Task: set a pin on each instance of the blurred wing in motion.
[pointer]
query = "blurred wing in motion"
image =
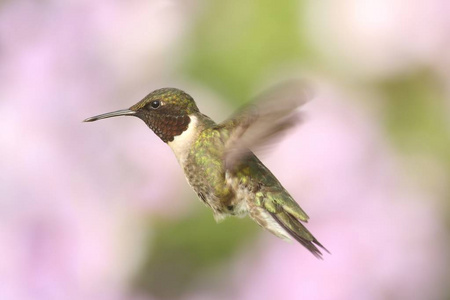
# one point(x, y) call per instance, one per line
point(260, 123)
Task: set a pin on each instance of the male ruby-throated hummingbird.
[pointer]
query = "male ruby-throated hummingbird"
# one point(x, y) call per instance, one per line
point(216, 159)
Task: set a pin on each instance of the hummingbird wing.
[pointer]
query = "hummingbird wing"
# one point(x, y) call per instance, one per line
point(278, 208)
point(272, 207)
point(259, 123)
point(299, 232)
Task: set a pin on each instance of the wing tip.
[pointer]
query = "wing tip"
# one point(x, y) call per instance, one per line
point(310, 245)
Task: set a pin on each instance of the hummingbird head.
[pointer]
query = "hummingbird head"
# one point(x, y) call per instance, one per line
point(166, 111)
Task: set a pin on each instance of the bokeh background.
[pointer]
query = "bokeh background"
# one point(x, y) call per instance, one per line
point(102, 210)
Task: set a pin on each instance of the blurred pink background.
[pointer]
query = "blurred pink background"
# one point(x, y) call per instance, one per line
point(370, 165)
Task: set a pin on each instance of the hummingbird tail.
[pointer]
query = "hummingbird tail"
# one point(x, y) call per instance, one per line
point(299, 232)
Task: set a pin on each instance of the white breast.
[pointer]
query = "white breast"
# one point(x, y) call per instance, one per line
point(182, 143)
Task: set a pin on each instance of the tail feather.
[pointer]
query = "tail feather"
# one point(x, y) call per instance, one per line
point(299, 232)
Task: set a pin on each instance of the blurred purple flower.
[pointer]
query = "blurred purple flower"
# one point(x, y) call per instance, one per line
point(69, 189)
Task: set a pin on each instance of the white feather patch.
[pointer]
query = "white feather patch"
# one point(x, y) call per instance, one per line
point(181, 144)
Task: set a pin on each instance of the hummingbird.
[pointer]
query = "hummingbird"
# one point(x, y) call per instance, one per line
point(218, 163)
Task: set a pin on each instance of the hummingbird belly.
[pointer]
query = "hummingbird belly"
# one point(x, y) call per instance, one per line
point(239, 198)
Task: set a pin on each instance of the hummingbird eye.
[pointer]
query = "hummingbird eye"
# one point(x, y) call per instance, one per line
point(155, 104)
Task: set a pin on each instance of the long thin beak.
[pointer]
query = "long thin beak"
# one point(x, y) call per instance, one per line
point(122, 112)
